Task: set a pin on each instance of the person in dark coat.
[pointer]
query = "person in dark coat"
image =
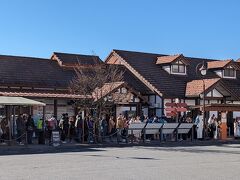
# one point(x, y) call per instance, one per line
point(30, 129)
point(104, 128)
point(71, 129)
point(20, 128)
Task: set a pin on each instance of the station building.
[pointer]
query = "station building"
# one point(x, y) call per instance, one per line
point(149, 82)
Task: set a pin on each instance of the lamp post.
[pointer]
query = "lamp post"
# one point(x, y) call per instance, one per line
point(203, 71)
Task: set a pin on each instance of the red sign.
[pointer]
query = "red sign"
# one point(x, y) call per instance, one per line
point(170, 104)
point(170, 109)
point(173, 108)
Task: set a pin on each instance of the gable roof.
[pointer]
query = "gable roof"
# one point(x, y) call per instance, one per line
point(167, 59)
point(33, 72)
point(131, 80)
point(218, 64)
point(170, 59)
point(17, 71)
point(67, 59)
point(106, 89)
point(143, 65)
point(195, 87)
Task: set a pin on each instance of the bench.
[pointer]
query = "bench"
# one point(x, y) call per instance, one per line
point(136, 129)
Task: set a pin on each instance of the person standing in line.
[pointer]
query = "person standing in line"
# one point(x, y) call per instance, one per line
point(30, 129)
point(66, 125)
point(104, 128)
point(211, 126)
point(79, 127)
point(119, 126)
point(41, 139)
point(216, 130)
point(71, 129)
point(62, 135)
point(20, 128)
point(90, 126)
point(51, 126)
point(199, 122)
point(111, 127)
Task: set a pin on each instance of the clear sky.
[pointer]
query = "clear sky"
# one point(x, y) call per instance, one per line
point(198, 28)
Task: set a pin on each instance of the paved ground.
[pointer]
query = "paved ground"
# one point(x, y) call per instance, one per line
point(170, 161)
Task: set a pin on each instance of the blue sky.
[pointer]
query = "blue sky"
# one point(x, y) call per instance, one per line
point(198, 28)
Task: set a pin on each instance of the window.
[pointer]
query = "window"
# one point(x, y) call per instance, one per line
point(178, 67)
point(229, 72)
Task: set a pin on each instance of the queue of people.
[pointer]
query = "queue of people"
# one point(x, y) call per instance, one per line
point(93, 130)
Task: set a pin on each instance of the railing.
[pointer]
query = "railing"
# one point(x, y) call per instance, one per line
point(161, 129)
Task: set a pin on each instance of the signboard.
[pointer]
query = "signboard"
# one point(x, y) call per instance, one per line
point(172, 109)
point(56, 138)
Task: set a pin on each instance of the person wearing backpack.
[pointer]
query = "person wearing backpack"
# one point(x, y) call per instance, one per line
point(51, 126)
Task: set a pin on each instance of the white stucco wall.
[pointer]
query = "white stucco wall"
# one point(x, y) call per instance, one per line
point(62, 107)
point(121, 110)
point(190, 102)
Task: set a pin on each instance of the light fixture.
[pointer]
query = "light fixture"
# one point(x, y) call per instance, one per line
point(203, 70)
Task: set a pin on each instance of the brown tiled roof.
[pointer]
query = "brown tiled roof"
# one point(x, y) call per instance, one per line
point(132, 81)
point(68, 59)
point(169, 85)
point(33, 72)
point(106, 89)
point(168, 59)
point(112, 87)
point(195, 87)
point(218, 64)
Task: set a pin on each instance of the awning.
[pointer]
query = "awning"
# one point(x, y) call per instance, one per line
point(44, 95)
point(18, 101)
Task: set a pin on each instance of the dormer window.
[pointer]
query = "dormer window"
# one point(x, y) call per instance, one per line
point(178, 68)
point(224, 69)
point(229, 72)
point(175, 64)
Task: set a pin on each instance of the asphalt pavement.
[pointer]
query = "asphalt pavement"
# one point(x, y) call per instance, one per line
point(174, 160)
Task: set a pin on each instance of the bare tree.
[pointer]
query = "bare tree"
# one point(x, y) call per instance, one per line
point(97, 84)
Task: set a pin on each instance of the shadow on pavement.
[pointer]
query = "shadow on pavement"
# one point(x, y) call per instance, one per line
point(182, 146)
point(226, 147)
